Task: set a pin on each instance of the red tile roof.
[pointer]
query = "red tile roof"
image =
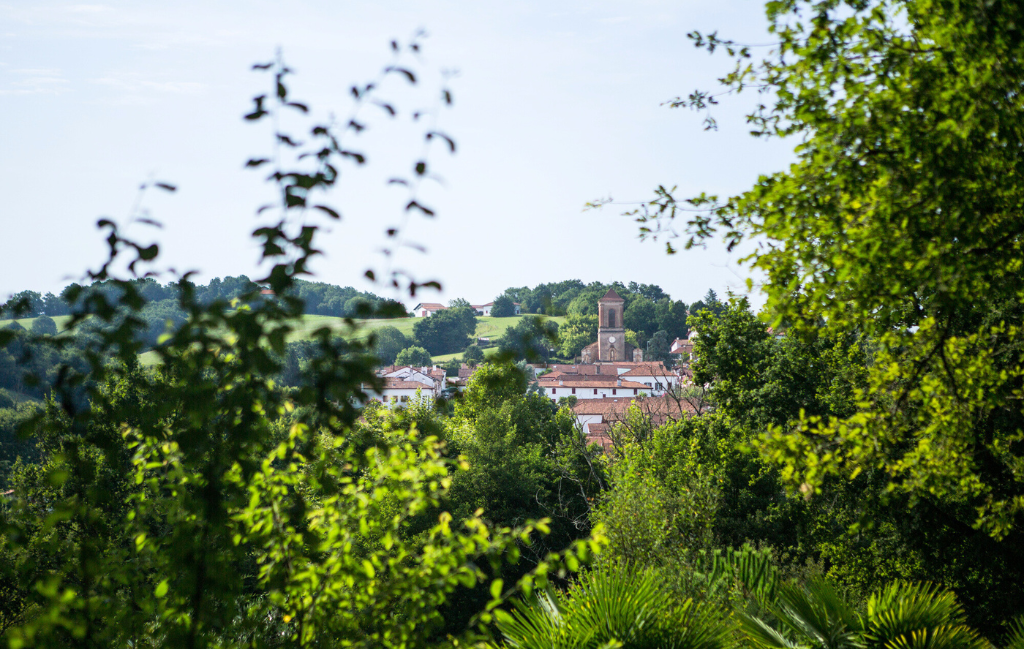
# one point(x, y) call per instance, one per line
point(611, 295)
point(396, 383)
point(554, 383)
point(660, 409)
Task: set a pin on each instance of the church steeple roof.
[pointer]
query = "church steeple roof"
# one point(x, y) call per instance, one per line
point(611, 295)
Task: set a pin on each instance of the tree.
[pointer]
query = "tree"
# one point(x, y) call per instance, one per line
point(473, 355)
point(503, 307)
point(446, 332)
point(530, 339)
point(459, 303)
point(671, 318)
point(388, 342)
point(575, 333)
point(658, 348)
point(899, 221)
point(44, 325)
point(641, 316)
point(198, 504)
point(415, 356)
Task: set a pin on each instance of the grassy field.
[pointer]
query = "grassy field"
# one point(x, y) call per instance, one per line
point(61, 321)
point(491, 328)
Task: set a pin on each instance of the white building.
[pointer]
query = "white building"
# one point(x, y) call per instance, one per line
point(591, 387)
point(402, 384)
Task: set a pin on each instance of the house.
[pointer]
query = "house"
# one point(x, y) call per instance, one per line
point(424, 309)
point(655, 376)
point(590, 387)
point(462, 380)
point(483, 309)
point(403, 383)
point(682, 348)
point(596, 416)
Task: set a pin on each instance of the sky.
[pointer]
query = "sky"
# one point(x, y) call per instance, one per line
point(556, 103)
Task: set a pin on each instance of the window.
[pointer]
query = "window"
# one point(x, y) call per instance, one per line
point(611, 317)
point(574, 390)
point(595, 390)
point(405, 397)
point(634, 390)
point(552, 390)
point(613, 391)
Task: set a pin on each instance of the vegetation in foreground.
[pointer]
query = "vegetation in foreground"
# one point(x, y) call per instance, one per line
point(852, 482)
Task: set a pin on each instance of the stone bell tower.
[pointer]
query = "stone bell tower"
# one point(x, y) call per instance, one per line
point(611, 332)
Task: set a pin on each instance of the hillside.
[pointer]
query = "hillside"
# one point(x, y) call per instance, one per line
point(491, 328)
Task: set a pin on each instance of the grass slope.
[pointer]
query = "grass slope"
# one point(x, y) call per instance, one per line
point(491, 328)
point(60, 320)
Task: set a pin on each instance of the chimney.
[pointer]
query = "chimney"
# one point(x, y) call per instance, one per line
point(619, 382)
point(598, 369)
point(561, 382)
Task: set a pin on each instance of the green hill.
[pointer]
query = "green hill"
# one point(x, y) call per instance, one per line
point(491, 328)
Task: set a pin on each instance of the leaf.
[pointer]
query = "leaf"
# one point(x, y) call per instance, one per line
point(161, 589)
point(496, 587)
point(408, 75)
point(262, 66)
point(255, 162)
point(330, 212)
point(297, 106)
point(166, 187)
point(414, 204)
point(388, 107)
point(451, 143)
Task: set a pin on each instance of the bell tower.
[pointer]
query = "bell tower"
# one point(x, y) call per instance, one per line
point(611, 332)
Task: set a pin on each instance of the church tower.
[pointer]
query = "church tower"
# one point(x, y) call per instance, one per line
point(611, 332)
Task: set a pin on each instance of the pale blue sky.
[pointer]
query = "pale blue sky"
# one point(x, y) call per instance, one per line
point(556, 104)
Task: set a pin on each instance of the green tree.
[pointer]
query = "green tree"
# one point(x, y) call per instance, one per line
point(446, 332)
point(415, 356)
point(658, 348)
point(44, 325)
point(388, 342)
point(503, 307)
point(672, 318)
point(473, 355)
point(530, 339)
point(575, 333)
point(200, 505)
point(898, 221)
point(641, 316)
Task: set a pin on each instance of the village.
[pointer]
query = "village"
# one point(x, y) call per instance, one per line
point(609, 378)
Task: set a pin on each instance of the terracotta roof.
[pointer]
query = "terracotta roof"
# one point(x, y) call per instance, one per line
point(544, 383)
point(575, 378)
point(614, 408)
point(395, 383)
point(430, 306)
point(611, 295)
point(466, 372)
point(477, 306)
point(649, 369)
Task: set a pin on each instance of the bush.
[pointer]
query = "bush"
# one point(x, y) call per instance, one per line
point(415, 356)
point(44, 325)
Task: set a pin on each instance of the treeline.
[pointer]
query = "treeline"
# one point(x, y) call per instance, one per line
point(319, 298)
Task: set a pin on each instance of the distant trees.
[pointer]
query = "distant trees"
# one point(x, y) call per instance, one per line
point(672, 318)
point(641, 316)
point(473, 355)
point(387, 342)
point(44, 325)
point(575, 333)
point(447, 331)
point(503, 307)
point(531, 339)
point(415, 356)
